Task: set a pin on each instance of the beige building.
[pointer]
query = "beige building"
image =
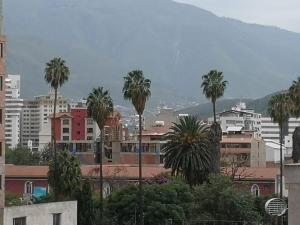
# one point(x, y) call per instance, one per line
point(244, 149)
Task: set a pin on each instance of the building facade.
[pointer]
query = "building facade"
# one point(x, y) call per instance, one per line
point(35, 117)
point(2, 113)
point(13, 109)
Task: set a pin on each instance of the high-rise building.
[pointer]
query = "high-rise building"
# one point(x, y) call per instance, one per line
point(2, 112)
point(35, 116)
point(13, 109)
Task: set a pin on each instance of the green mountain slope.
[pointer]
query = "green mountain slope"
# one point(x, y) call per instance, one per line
point(173, 43)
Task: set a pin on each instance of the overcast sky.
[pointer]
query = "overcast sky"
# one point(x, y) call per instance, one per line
point(280, 13)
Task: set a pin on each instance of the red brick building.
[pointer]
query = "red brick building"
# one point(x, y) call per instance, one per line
point(78, 133)
point(260, 181)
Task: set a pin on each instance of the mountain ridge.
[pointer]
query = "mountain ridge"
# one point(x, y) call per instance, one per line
point(173, 43)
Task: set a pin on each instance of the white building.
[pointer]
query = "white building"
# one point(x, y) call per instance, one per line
point(271, 131)
point(239, 116)
point(56, 213)
point(13, 109)
point(35, 116)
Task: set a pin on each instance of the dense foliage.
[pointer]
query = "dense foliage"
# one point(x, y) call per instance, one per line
point(22, 156)
point(187, 150)
point(217, 199)
point(69, 179)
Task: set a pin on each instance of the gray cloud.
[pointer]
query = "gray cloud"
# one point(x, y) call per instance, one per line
point(281, 13)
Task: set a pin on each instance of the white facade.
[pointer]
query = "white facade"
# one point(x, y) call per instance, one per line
point(13, 108)
point(65, 213)
point(273, 151)
point(271, 131)
point(239, 116)
point(35, 118)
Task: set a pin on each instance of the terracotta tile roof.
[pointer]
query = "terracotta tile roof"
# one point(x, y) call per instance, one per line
point(131, 172)
point(126, 171)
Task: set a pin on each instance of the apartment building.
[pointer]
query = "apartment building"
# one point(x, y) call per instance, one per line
point(239, 116)
point(2, 113)
point(13, 109)
point(35, 117)
point(243, 149)
point(79, 134)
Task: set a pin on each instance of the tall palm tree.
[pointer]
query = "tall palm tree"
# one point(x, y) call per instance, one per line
point(187, 150)
point(294, 93)
point(213, 85)
point(56, 74)
point(279, 111)
point(100, 107)
point(137, 90)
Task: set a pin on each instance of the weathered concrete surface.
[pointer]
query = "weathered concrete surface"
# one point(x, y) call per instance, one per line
point(42, 214)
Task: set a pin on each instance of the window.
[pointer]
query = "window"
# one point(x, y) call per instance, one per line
point(90, 121)
point(1, 50)
point(65, 138)
point(1, 116)
point(0, 148)
point(65, 122)
point(56, 218)
point(78, 132)
point(1, 83)
point(89, 138)
point(19, 221)
point(90, 130)
point(255, 191)
point(28, 187)
point(65, 130)
point(0, 182)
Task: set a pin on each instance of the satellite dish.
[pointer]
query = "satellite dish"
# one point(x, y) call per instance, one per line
point(275, 207)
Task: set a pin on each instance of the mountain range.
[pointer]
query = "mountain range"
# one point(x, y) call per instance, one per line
point(173, 43)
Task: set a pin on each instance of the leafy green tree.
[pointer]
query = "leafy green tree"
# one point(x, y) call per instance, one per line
point(279, 111)
point(137, 90)
point(12, 199)
point(86, 208)
point(69, 180)
point(213, 85)
point(218, 199)
point(22, 156)
point(100, 107)
point(162, 202)
point(187, 150)
point(47, 154)
point(56, 74)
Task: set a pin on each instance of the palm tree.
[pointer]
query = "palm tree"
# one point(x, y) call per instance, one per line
point(279, 111)
point(294, 93)
point(137, 90)
point(187, 150)
point(213, 87)
point(56, 74)
point(100, 107)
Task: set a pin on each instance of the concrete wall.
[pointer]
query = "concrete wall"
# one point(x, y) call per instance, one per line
point(42, 214)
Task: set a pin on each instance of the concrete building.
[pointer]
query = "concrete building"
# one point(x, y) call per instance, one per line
point(2, 113)
point(35, 117)
point(271, 131)
point(13, 109)
point(243, 149)
point(239, 116)
point(56, 213)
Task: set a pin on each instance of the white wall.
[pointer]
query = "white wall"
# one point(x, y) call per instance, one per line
point(42, 214)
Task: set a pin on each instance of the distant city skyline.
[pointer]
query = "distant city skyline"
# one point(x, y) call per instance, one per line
point(283, 14)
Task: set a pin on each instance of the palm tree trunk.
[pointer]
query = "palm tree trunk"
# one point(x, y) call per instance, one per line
point(281, 161)
point(101, 175)
point(54, 143)
point(141, 194)
point(214, 111)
